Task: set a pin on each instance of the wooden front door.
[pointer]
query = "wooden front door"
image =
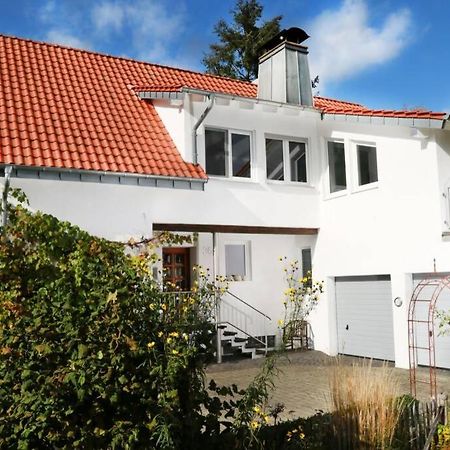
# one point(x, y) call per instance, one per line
point(176, 268)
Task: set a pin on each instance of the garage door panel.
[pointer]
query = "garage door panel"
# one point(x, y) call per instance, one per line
point(364, 316)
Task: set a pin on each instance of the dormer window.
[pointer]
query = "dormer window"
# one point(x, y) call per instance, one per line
point(286, 160)
point(228, 153)
point(367, 164)
point(336, 166)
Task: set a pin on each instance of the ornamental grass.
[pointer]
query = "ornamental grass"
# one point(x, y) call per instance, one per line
point(365, 406)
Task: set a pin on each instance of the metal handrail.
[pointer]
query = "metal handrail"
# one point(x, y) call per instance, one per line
point(250, 306)
point(245, 332)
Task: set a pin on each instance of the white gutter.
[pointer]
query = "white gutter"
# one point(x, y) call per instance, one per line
point(101, 173)
point(385, 120)
point(253, 100)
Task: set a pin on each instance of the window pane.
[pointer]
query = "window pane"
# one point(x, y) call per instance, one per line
point(336, 163)
point(297, 157)
point(367, 164)
point(235, 260)
point(307, 265)
point(215, 142)
point(274, 159)
point(240, 151)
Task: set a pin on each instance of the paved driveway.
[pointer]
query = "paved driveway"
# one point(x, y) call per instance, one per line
point(303, 383)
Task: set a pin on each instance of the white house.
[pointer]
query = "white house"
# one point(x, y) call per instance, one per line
point(124, 148)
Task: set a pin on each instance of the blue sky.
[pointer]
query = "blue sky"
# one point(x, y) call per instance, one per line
point(383, 53)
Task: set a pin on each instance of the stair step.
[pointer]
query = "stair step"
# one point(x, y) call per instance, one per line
point(222, 327)
point(255, 345)
point(240, 339)
point(229, 333)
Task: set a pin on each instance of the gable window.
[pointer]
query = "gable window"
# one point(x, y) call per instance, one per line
point(286, 160)
point(336, 166)
point(227, 153)
point(367, 164)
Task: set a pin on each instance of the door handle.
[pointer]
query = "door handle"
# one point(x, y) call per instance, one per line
point(346, 327)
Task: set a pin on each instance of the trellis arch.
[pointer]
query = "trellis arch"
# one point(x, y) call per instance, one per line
point(427, 292)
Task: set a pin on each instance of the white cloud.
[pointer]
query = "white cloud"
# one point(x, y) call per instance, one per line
point(108, 15)
point(63, 37)
point(343, 42)
point(152, 25)
point(47, 11)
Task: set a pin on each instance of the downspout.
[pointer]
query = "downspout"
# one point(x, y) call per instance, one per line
point(8, 170)
point(197, 125)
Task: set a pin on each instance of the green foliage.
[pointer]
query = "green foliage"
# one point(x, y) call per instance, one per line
point(236, 55)
point(92, 353)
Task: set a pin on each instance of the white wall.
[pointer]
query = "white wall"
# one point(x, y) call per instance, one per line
point(394, 228)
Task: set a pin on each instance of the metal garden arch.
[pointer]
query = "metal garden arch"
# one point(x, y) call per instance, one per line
point(421, 320)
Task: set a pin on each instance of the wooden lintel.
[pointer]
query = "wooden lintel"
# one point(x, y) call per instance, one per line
point(245, 229)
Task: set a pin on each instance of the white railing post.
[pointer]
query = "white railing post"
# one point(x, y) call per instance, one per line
point(218, 332)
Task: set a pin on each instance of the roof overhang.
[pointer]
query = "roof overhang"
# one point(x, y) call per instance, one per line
point(243, 229)
point(93, 176)
point(390, 121)
point(153, 94)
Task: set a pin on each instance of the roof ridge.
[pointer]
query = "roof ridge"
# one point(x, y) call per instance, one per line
point(124, 58)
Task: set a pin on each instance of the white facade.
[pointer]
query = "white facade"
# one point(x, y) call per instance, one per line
point(393, 227)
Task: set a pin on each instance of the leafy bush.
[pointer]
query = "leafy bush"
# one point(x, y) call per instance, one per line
point(92, 353)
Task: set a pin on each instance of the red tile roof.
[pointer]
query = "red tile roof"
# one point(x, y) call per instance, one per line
point(67, 108)
point(332, 106)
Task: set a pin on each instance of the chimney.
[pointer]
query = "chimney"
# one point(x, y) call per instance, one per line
point(283, 69)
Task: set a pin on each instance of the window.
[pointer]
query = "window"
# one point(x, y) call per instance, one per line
point(336, 166)
point(237, 265)
point(227, 153)
point(286, 160)
point(367, 164)
point(307, 265)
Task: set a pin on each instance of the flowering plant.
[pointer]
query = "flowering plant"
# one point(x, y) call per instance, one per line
point(300, 299)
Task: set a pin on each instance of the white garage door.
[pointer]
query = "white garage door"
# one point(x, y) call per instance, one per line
point(442, 342)
point(364, 316)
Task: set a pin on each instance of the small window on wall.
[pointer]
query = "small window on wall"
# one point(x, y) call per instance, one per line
point(367, 164)
point(307, 264)
point(236, 262)
point(336, 165)
point(286, 160)
point(227, 153)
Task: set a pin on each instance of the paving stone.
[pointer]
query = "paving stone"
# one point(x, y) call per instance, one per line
point(303, 382)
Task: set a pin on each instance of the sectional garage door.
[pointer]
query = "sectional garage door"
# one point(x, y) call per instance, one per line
point(364, 316)
point(442, 342)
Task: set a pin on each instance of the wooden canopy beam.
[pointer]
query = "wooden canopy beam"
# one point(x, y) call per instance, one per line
point(244, 229)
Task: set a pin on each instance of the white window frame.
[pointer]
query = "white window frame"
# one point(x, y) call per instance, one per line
point(247, 253)
point(287, 161)
point(229, 153)
point(368, 186)
point(345, 191)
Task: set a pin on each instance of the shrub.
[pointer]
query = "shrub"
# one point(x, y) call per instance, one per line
point(92, 355)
